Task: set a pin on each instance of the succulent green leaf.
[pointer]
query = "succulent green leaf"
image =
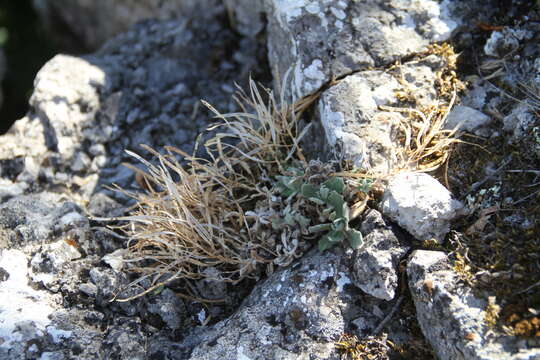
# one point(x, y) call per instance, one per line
point(288, 192)
point(289, 219)
point(355, 238)
point(336, 201)
point(365, 185)
point(295, 184)
point(319, 227)
point(302, 221)
point(309, 191)
point(317, 201)
point(336, 184)
point(335, 236)
point(327, 211)
point(324, 192)
point(324, 244)
point(283, 180)
point(339, 224)
point(332, 216)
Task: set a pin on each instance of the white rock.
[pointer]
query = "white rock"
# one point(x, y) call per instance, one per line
point(352, 122)
point(20, 303)
point(421, 205)
point(347, 36)
point(115, 259)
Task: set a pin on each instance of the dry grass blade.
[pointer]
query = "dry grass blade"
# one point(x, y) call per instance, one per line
point(193, 218)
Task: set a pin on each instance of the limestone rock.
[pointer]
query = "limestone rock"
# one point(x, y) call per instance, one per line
point(246, 15)
point(452, 317)
point(421, 205)
point(468, 119)
point(296, 313)
point(321, 39)
point(375, 264)
point(92, 23)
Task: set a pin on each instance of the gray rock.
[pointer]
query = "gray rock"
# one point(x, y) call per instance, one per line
point(325, 39)
point(48, 265)
point(115, 259)
point(375, 264)
point(505, 41)
point(92, 23)
point(297, 313)
point(452, 317)
point(10, 168)
point(80, 120)
point(520, 121)
point(33, 219)
point(25, 316)
point(246, 15)
point(9, 190)
point(421, 205)
point(212, 289)
point(101, 205)
point(467, 119)
point(352, 123)
point(169, 308)
point(89, 289)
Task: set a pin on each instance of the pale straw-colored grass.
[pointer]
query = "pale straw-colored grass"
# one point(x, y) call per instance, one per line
point(193, 218)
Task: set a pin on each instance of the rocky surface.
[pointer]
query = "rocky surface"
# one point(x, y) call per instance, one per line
point(421, 205)
point(375, 267)
point(352, 122)
point(62, 272)
point(298, 313)
point(321, 40)
point(139, 89)
point(93, 23)
point(460, 330)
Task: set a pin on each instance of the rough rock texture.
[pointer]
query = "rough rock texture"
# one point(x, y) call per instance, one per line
point(247, 16)
point(421, 205)
point(60, 270)
point(321, 39)
point(375, 266)
point(139, 89)
point(85, 111)
point(451, 317)
point(93, 22)
point(468, 119)
point(59, 289)
point(355, 128)
point(297, 313)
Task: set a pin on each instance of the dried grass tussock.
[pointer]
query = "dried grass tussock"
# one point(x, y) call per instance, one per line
point(205, 215)
point(253, 201)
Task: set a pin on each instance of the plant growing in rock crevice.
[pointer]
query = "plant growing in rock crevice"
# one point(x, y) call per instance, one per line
point(333, 210)
point(252, 204)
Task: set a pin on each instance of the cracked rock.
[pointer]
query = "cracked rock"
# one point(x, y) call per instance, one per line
point(375, 265)
point(321, 39)
point(452, 317)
